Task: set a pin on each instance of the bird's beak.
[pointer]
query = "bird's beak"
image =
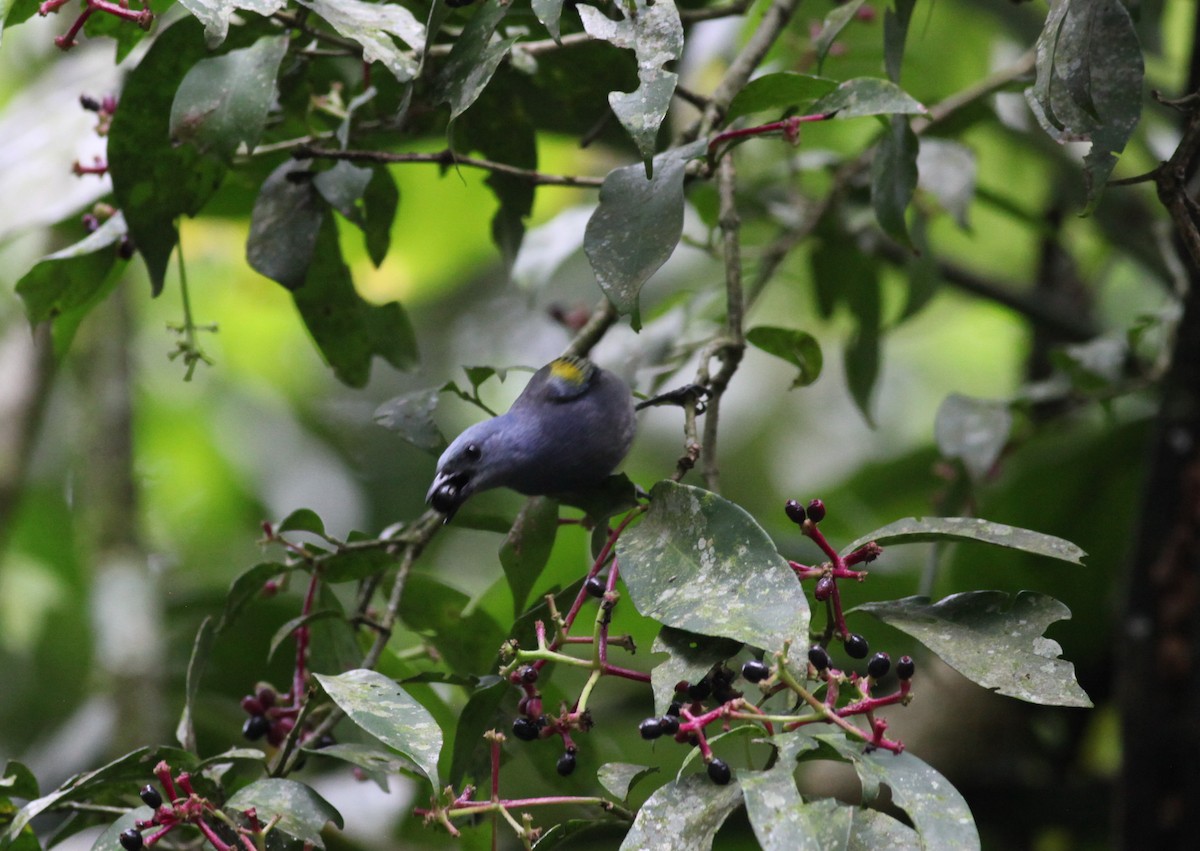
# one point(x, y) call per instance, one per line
point(446, 494)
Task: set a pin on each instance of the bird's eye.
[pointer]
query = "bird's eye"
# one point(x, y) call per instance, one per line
point(473, 452)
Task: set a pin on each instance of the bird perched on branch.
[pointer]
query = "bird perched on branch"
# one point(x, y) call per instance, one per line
point(567, 431)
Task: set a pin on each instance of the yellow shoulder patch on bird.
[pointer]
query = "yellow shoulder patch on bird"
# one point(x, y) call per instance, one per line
point(573, 370)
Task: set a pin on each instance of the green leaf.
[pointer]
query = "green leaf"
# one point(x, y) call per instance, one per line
point(619, 778)
point(154, 181)
point(526, 548)
point(937, 810)
point(782, 821)
point(379, 205)
point(549, 12)
point(375, 26)
point(894, 178)
point(474, 58)
point(222, 103)
point(287, 629)
point(342, 186)
point(683, 815)
point(690, 657)
point(302, 520)
point(17, 781)
point(216, 14)
point(831, 28)
point(348, 330)
point(110, 839)
point(386, 711)
point(994, 640)
point(64, 286)
point(867, 96)
point(411, 416)
point(465, 636)
point(780, 91)
point(636, 227)
point(798, 348)
point(1089, 82)
point(185, 731)
point(700, 563)
point(285, 224)
point(481, 713)
point(895, 33)
point(366, 757)
point(975, 431)
point(300, 811)
point(246, 587)
point(353, 565)
point(862, 368)
point(654, 33)
point(916, 530)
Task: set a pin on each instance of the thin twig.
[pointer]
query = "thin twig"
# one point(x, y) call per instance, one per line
point(604, 315)
point(447, 158)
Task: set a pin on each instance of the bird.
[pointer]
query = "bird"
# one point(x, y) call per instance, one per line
point(566, 433)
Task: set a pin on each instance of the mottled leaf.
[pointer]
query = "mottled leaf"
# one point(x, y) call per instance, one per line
point(916, 530)
point(383, 709)
point(154, 181)
point(683, 815)
point(798, 348)
point(348, 330)
point(654, 33)
point(690, 657)
point(366, 757)
point(700, 563)
point(992, 639)
point(375, 26)
point(620, 777)
point(636, 227)
point(1089, 82)
point(526, 548)
point(411, 416)
point(779, 91)
point(894, 178)
point(781, 819)
point(867, 96)
point(939, 813)
point(215, 14)
point(549, 12)
point(975, 431)
point(300, 811)
point(222, 103)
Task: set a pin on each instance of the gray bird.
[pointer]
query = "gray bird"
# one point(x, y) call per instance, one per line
point(567, 431)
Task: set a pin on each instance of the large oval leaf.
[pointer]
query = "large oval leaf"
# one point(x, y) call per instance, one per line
point(701, 563)
point(915, 530)
point(302, 813)
point(388, 713)
point(684, 815)
point(992, 639)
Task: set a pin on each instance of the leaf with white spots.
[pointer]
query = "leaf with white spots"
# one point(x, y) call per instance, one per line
point(916, 530)
point(939, 813)
point(378, 705)
point(300, 811)
point(690, 657)
point(684, 815)
point(993, 639)
point(700, 563)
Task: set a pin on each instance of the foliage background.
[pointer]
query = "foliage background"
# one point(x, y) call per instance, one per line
point(92, 655)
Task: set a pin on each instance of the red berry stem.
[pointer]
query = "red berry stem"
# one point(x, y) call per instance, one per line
point(789, 127)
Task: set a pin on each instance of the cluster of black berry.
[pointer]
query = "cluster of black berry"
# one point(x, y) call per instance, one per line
point(532, 723)
point(131, 838)
point(267, 718)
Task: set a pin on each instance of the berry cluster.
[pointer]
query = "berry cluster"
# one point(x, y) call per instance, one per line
point(532, 723)
point(184, 805)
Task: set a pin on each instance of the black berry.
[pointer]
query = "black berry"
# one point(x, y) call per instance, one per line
point(879, 665)
point(818, 657)
point(700, 690)
point(566, 764)
point(525, 729)
point(528, 674)
point(719, 773)
point(816, 511)
point(856, 646)
point(594, 587)
point(131, 839)
point(795, 511)
point(669, 725)
point(824, 589)
point(905, 668)
point(256, 727)
point(651, 728)
point(756, 671)
point(150, 797)
point(674, 709)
